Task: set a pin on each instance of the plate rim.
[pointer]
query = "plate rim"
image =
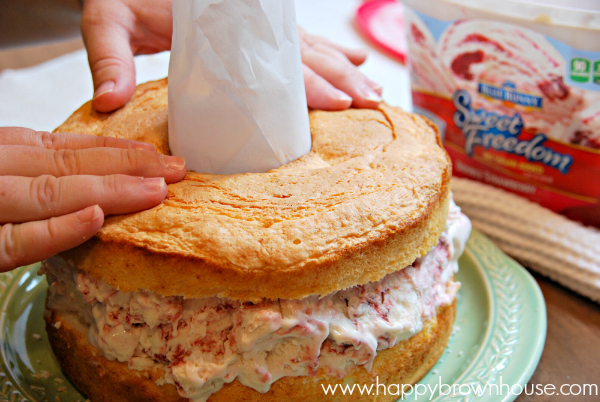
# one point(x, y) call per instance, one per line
point(478, 248)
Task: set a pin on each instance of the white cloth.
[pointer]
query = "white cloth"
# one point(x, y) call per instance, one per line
point(43, 96)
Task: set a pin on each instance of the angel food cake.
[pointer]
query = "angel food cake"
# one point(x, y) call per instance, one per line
point(336, 267)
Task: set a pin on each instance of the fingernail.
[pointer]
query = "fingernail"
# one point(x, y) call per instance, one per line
point(104, 88)
point(172, 162)
point(153, 184)
point(89, 215)
point(369, 94)
point(343, 96)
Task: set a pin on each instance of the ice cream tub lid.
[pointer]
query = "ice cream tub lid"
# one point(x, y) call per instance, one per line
point(575, 22)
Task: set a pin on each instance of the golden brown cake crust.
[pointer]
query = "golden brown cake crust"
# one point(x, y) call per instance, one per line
point(111, 381)
point(370, 198)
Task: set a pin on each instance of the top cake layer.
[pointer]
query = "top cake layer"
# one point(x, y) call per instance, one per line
point(368, 199)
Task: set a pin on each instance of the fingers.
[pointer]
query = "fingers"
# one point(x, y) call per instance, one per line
point(19, 160)
point(34, 241)
point(337, 70)
point(106, 33)
point(44, 139)
point(26, 199)
point(355, 56)
point(322, 95)
point(115, 30)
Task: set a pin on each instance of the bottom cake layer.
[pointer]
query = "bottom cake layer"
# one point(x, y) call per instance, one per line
point(112, 381)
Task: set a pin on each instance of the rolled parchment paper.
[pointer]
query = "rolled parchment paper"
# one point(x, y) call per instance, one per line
point(236, 92)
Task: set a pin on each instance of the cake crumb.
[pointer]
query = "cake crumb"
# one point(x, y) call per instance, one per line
point(41, 390)
point(57, 324)
point(62, 389)
point(37, 337)
point(43, 374)
point(59, 380)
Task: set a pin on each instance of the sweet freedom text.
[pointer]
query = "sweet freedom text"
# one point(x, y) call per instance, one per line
point(500, 132)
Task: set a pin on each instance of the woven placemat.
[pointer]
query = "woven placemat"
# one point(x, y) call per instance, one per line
point(563, 250)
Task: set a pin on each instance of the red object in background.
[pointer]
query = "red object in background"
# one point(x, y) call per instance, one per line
point(382, 21)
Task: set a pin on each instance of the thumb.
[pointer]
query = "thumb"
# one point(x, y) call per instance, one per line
point(111, 60)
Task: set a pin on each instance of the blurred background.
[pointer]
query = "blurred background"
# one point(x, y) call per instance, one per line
point(32, 31)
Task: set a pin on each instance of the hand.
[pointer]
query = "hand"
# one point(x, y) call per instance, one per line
point(55, 189)
point(113, 32)
point(331, 78)
point(116, 30)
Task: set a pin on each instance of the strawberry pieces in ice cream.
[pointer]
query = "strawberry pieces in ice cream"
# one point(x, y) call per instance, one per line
point(201, 344)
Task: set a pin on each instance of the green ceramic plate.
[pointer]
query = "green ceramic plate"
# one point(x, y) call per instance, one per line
point(498, 336)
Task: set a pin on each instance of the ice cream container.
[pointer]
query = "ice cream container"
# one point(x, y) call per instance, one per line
point(514, 87)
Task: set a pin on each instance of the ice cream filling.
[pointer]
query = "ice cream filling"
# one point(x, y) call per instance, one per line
point(201, 344)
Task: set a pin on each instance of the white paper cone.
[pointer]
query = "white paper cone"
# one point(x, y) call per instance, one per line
point(236, 92)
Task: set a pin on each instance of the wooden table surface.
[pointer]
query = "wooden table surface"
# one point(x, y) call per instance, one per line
point(572, 351)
